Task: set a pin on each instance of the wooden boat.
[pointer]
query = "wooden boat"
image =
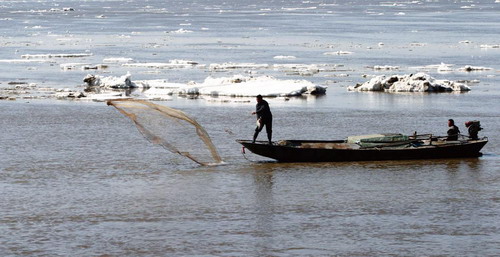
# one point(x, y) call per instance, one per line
point(366, 148)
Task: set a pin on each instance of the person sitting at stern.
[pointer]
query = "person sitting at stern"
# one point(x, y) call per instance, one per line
point(453, 131)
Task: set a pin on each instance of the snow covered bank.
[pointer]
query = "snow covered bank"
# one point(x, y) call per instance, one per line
point(420, 82)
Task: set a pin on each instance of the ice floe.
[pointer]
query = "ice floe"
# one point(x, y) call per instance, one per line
point(82, 66)
point(308, 69)
point(385, 67)
point(47, 56)
point(443, 67)
point(110, 82)
point(285, 57)
point(25, 61)
point(420, 82)
point(234, 86)
point(232, 66)
point(180, 31)
point(263, 85)
point(489, 46)
point(117, 60)
point(469, 68)
point(338, 53)
point(172, 64)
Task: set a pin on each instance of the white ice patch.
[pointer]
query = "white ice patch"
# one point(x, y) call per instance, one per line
point(489, 46)
point(443, 67)
point(82, 66)
point(385, 67)
point(420, 82)
point(173, 64)
point(232, 66)
point(237, 85)
point(25, 61)
point(469, 68)
point(338, 53)
point(48, 56)
point(253, 86)
point(110, 82)
point(284, 57)
point(117, 60)
point(180, 31)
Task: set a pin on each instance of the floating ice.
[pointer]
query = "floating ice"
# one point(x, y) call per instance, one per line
point(72, 66)
point(306, 69)
point(67, 94)
point(232, 66)
point(490, 46)
point(474, 68)
point(235, 86)
point(117, 60)
point(180, 31)
point(301, 69)
point(46, 56)
point(385, 67)
point(338, 53)
point(298, 8)
point(285, 57)
point(420, 82)
point(443, 67)
point(82, 66)
point(253, 86)
point(25, 61)
point(173, 64)
point(109, 82)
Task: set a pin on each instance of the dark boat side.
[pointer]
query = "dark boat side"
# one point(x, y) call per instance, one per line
point(337, 151)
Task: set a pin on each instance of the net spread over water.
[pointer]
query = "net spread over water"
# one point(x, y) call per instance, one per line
point(170, 128)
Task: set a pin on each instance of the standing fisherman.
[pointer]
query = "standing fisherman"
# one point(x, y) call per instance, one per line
point(264, 118)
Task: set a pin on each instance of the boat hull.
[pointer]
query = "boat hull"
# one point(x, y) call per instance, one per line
point(298, 154)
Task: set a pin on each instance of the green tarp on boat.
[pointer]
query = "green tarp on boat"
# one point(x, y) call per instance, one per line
point(378, 140)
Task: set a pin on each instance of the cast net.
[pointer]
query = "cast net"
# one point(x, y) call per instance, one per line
point(170, 128)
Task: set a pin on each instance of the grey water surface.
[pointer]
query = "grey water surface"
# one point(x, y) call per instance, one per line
point(78, 179)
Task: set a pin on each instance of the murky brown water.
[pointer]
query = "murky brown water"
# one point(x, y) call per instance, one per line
point(79, 179)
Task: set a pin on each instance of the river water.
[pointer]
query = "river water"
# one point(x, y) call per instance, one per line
point(78, 179)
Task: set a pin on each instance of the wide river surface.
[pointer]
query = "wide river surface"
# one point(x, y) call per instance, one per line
point(78, 179)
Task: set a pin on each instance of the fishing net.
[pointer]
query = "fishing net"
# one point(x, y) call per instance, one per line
point(170, 128)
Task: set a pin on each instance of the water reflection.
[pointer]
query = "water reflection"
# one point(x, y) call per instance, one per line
point(263, 189)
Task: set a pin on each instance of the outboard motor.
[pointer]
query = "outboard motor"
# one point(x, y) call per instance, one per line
point(474, 127)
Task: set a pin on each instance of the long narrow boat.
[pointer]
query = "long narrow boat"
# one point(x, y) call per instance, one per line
point(367, 148)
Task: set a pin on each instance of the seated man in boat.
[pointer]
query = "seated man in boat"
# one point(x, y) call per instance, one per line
point(453, 131)
point(264, 118)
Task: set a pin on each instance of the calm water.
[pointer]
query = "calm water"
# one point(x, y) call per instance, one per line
point(78, 179)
